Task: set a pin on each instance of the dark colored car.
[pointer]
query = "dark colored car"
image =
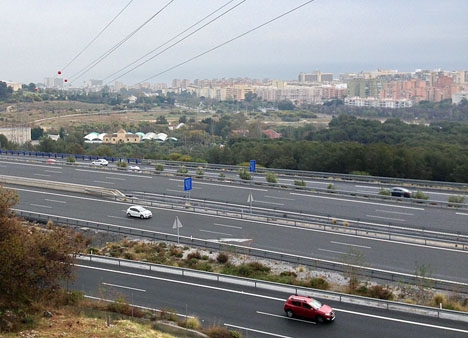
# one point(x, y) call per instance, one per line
point(308, 307)
point(400, 192)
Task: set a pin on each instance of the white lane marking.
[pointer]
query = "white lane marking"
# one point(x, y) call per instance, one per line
point(53, 171)
point(175, 281)
point(280, 198)
point(395, 212)
point(305, 180)
point(104, 182)
point(174, 190)
point(123, 287)
point(118, 217)
point(116, 178)
point(358, 246)
point(356, 201)
point(116, 174)
point(402, 321)
point(227, 226)
point(461, 213)
point(44, 175)
point(269, 334)
point(215, 232)
point(284, 317)
point(49, 200)
point(266, 202)
point(337, 252)
point(41, 206)
point(389, 218)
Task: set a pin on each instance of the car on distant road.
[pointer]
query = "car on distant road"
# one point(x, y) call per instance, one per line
point(308, 307)
point(134, 168)
point(400, 192)
point(139, 211)
point(100, 162)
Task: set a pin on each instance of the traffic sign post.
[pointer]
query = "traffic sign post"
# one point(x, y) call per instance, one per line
point(187, 187)
point(177, 225)
point(250, 200)
point(253, 167)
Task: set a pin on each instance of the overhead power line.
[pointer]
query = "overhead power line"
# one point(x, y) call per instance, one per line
point(226, 42)
point(168, 41)
point(116, 46)
point(96, 37)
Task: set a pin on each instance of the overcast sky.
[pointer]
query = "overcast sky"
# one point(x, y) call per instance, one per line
point(39, 38)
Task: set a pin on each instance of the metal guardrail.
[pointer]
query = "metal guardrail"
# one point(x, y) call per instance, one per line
point(413, 235)
point(260, 170)
point(386, 231)
point(79, 188)
point(359, 271)
point(286, 288)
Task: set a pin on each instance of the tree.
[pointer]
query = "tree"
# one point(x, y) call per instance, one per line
point(5, 91)
point(285, 105)
point(36, 133)
point(34, 261)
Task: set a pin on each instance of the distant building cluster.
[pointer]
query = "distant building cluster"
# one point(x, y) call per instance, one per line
point(394, 89)
point(121, 136)
point(380, 88)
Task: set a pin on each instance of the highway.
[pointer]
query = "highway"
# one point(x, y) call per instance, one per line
point(253, 312)
point(400, 212)
point(255, 315)
point(303, 241)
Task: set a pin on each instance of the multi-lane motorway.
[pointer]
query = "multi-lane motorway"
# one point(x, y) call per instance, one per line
point(253, 312)
point(445, 263)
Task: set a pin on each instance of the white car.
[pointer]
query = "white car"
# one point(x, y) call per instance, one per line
point(139, 211)
point(134, 168)
point(100, 162)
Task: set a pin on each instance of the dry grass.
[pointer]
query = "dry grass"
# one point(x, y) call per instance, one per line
point(67, 323)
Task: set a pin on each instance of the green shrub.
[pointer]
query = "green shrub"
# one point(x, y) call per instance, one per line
point(385, 192)
point(460, 199)
point(331, 186)
point(204, 266)
point(182, 169)
point(271, 177)
point(71, 159)
point(200, 172)
point(419, 195)
point(319, 283)
point(159, 167)
point(192, 323)
point(300, 183)
point(221, 332)
point(221, 176)
point(244, 175)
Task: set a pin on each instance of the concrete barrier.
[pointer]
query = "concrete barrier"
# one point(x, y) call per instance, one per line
point(71, 187)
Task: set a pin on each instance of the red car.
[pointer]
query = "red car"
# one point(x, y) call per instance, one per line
point(308, 307)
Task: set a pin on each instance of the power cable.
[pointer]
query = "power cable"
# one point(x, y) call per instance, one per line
point(96, 37)
point(115, 47)
point(173, 38)
point(227, 42)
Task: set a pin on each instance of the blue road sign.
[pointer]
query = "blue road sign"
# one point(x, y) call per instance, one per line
point(253, 163)
point(187, 183)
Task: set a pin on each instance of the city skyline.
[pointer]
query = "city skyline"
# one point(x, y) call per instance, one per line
point(330, 36)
